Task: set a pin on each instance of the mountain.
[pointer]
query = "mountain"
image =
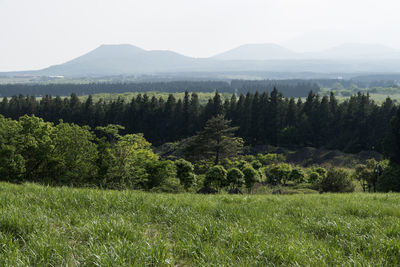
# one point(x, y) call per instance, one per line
point(125, 59)
point(356, 51)
point(257, 52)
point(121, 59)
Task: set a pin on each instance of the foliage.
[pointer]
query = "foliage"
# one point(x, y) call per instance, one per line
point(216, 177)
point(314, 178)
point(235, 177)
point(270, 158)
point(367, 174)
point(163, 177)
point(12, 164)
point(68, 154)
point(75, 153)
point(185, 173)
point(131, 157)
point(263, 118)
point(278, 173)
point(297, 175)
point(256, 164)
point(251, 176)
point(392, 140)
point(216, 141)
point(390, 179)
point(337, 180)
point(316, 175)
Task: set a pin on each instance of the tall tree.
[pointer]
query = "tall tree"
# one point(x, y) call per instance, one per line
point(216, 141)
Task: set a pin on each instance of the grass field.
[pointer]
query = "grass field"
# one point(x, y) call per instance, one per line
point(68, 227)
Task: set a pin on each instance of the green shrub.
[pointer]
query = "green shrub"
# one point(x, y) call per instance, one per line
point(169, 185)
point(251, 176)
point(321, 171)
point(278, 173)
point(235, 177)
point(390, 179)
point(256, 164)
point(337, 180)
point(314, 178)
point(297, 175)
point(216, 177)
point(271, 158)
point(184, 172)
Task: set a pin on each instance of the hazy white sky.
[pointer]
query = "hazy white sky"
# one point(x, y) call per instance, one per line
point(38, 33)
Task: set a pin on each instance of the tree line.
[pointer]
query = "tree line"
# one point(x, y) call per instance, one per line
point(291, 88)
point(32, 150)
point(353, 125)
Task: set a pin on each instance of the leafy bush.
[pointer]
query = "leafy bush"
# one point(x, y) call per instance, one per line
point(297, 175)
point(314, 178)
point(256, 164)
point(216, 177)
point(390, 179)
point(321, 171)
point(251, 176)
point(235, 177)
point(337, 180)
point(271, 158)
point(278, 173)
point(184, 172)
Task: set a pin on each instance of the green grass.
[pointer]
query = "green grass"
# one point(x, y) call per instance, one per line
point(42, 226)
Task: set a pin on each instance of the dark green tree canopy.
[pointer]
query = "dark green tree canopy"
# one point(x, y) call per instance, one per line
point(216, 141)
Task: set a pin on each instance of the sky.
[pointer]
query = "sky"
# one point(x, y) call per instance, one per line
point(40, 33)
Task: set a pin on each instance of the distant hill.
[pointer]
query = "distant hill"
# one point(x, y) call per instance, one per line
point(257, 52)
point(125, 59)
point(356, 51)
point(121, 59)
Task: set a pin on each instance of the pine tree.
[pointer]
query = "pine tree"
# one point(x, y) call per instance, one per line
point(216, 141)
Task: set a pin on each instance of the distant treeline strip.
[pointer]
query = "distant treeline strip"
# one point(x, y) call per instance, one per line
point(263, 118)
point(290, 88)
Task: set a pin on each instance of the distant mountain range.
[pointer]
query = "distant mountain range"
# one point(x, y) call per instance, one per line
point(341, 52)
point(125, 59)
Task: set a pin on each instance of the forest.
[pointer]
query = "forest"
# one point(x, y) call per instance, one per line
point(353, 125)
point(57, 141)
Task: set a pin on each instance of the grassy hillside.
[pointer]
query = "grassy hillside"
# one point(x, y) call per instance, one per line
point(63, 226)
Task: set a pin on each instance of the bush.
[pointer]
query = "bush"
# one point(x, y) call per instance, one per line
point(235, 177)
point(390, 179)
point(256, 164)
point(314, 178)
point(251, 176)
point(321, 171)
point(184, 172)
point(216, 177)
point(169, 185)
point(297, 175)
point(269, 159)
point(279, 172)
point(337, 180)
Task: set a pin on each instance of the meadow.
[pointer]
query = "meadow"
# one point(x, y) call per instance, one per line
point(47, 226)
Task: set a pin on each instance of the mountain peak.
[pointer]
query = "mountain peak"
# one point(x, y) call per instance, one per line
point(119, 46)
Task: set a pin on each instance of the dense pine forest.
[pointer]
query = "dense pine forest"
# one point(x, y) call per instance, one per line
point(352, 125)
